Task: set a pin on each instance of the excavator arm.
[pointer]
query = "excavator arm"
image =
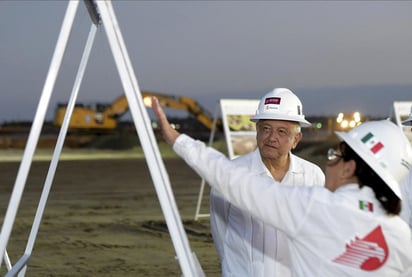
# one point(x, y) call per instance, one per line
point(183, 103)
point(107, 116)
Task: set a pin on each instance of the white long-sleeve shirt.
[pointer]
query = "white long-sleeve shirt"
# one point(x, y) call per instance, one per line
point(246, 245)
point(406, 190)
point(330, 233)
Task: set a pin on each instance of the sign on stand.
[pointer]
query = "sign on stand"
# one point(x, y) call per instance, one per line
point(400, 112)
point(240, 132)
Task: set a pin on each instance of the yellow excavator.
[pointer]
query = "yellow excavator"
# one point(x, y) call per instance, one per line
point(106, 117)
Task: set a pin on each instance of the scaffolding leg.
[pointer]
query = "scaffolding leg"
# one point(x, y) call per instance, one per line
point(36, 128)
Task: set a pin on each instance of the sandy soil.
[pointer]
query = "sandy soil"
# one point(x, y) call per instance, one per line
point(103, 218)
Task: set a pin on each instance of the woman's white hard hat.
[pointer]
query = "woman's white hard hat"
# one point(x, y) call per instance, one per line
point(384, 147)
point(281, 104)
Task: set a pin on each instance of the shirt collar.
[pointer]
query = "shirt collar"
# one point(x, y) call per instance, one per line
point(259, 166)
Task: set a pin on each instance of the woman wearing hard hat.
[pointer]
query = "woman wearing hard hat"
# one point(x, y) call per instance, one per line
point(349, 228)
point(406, 187)
point(246, 245)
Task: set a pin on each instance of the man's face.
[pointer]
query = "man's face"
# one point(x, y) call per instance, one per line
point(275, 138)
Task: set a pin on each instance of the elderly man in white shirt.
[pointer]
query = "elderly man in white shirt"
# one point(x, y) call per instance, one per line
point(246, 245)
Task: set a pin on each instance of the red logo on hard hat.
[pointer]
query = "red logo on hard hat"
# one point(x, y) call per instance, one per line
point(272, 100)
point(368, 254)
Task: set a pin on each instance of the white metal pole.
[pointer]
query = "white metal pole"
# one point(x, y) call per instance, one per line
point(59, 144)
point(148, 141)
point(7, 260)
point(203, 182)
point(36, 127)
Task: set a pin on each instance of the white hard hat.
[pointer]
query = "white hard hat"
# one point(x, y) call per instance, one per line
point(408, 122)
point(281, 104)
point(384, 147)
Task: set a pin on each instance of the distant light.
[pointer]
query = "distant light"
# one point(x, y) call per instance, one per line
point(175, 126)
point(147, 101)
point(339, 118)
point(349, 120)
point(357, 117)
point(319, 125)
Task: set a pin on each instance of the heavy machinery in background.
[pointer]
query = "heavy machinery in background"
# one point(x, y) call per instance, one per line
point(107, 116)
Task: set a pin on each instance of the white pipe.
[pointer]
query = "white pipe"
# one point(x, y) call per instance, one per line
point(36, 127)
point(145, 132)
point(59, 145)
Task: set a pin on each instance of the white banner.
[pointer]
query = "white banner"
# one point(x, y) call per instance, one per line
point(240, 132)
point(401, 111)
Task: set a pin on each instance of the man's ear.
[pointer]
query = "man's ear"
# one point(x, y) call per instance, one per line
point(297, 138)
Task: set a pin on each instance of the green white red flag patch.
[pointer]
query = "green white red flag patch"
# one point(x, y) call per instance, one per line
point(372, 143)
point(365, 205)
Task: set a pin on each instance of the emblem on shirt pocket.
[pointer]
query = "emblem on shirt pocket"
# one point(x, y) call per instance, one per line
point(368, 253)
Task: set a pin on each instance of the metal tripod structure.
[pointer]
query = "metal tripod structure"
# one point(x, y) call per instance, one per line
point(101, 13)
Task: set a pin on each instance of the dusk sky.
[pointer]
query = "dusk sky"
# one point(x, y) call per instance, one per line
point(335, 55)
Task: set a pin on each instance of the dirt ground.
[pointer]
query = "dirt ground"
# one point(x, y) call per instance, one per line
point(103, 218)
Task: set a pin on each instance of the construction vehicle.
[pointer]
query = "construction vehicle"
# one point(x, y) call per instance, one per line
point(106, 116)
